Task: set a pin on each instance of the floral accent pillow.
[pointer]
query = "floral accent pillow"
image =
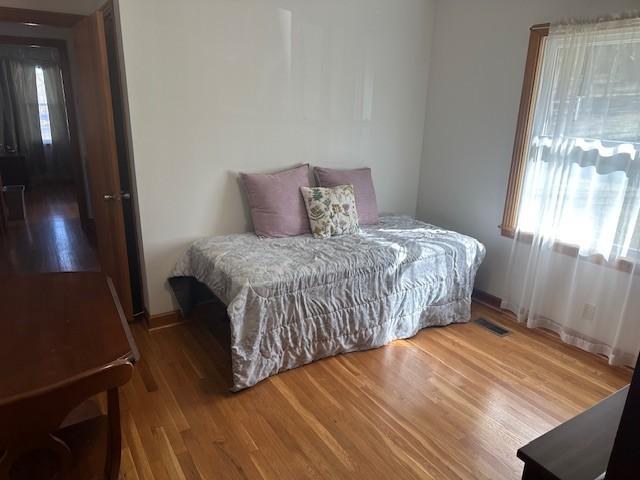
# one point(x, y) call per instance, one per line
point(331, 211)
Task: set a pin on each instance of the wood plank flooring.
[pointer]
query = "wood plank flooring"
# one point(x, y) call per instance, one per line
point(50, 239)
point(452, 402)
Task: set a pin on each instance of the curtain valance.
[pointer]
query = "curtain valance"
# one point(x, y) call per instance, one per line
point(606, 156)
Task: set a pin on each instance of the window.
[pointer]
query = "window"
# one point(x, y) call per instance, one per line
point(595, 128)
point(43, 108)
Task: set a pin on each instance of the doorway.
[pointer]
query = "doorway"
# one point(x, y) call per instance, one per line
point(72, 208)
point(46, 225)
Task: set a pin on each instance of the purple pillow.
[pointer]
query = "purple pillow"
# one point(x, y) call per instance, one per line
point(360, 178)
point(277, 207)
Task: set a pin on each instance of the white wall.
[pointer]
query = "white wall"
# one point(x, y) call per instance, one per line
point(217, 87)
point(476, 71)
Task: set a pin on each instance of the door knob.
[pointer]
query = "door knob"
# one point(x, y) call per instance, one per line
point(117, 196)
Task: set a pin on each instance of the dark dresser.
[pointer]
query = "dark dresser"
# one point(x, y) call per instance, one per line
point(13, 168)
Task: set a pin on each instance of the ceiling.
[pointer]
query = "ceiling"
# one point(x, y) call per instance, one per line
point(81, 7)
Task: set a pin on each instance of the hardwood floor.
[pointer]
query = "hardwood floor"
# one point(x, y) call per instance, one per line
point(50, 239)
point(452, 402)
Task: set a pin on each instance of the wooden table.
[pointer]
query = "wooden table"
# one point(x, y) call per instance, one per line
point(578, 449)
point(63, 339)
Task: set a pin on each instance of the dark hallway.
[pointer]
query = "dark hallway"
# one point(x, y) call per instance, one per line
point(50, 238)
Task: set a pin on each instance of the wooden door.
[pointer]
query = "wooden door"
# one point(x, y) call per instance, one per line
point(96, 120)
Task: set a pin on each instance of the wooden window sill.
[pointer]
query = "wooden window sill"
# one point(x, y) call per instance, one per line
point(621, 264)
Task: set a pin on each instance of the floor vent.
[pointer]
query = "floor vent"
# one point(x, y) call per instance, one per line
point(492, 327)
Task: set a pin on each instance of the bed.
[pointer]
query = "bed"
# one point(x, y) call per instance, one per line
point(294, 300)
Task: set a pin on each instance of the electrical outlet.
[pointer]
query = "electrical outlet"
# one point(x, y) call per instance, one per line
point(589, 311)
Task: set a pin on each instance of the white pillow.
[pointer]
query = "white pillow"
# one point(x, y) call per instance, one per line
point(331, 210)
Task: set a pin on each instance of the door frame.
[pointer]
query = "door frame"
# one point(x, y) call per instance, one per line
point(68, 21)
point(76, 158)
point(39, 17)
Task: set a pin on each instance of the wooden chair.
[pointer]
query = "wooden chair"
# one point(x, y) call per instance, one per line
point(63, 340)
point(30, 434)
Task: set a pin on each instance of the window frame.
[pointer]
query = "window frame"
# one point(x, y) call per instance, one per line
point(508, 227)
point(537, 36)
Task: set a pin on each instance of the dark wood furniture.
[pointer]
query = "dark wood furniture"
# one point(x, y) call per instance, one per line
point(63, 339)
point(13, 168)
point(625, 456)
point(578, 449)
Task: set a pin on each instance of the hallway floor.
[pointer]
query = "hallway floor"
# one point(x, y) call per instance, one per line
point(50, 239)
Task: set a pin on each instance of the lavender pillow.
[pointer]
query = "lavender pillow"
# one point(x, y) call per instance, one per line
point(362, 183)
point(277, 207)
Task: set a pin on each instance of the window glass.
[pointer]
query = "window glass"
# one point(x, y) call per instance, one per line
point(581, 176)
point(43, 108)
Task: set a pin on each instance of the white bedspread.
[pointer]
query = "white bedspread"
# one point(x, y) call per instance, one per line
point(298, 299)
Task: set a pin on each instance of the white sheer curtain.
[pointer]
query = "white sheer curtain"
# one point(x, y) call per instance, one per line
point(573, 266)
